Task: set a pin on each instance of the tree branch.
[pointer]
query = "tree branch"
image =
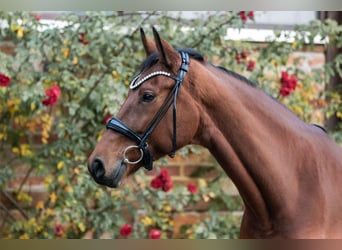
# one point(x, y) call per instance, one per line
point(21, 210)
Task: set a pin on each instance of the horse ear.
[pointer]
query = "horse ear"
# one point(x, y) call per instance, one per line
point(167, 54)
point(149, 45)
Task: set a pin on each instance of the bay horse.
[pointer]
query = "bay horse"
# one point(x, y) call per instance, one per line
point(288, 173)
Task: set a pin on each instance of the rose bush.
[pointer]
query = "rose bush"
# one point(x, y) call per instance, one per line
point(60, 83)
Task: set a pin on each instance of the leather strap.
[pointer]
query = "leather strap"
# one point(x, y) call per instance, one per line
point(120, 127)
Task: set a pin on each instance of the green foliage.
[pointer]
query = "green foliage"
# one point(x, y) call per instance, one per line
point(217, 226)
point(91, 59)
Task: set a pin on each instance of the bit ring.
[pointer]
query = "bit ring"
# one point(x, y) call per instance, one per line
point(133, 147)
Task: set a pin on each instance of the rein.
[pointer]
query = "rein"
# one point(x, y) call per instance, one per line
point(119, 126)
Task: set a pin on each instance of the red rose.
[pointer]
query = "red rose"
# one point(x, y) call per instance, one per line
point(293, 82)
point(58, 230)
point(155, 234)
point(251, 65)
point(166, 178)
point(156, 183)
point(82, 39)
point(238, 58)
point(284, 77)
point(126, 230)
point(250, 15)
point(288, 83)
point(284, 91)
point(192, 188)
point(164, 174)
point(53, 94)
point(163, 181)
point(106, 118)
point(243, 16)
point(4, 80)
point(167, 186)
point(244, 54)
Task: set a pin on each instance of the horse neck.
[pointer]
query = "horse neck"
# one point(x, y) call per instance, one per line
point(242, 127)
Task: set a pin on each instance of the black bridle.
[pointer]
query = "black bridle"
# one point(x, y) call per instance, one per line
point(141, 140)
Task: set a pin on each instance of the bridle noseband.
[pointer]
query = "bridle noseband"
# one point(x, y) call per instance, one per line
point(141, 140)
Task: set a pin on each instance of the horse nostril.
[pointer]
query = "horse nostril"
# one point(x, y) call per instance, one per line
point(98, 169)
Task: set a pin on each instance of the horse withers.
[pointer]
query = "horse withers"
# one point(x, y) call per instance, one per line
point(288, 173)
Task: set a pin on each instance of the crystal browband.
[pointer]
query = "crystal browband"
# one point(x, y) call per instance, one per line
point(135, 83)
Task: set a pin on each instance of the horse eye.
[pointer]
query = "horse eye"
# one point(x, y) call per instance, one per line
point(147, 97)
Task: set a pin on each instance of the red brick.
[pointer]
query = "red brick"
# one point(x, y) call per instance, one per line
point(317, 61)
point(293, 57)
point(20, 168)
point(31, 181)
point(317, 48)
point(180, 182)
point(174, 170)
point(189, 170)
point(36, 195)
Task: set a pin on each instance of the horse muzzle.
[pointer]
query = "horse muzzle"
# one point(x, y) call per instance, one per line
point(113, 179)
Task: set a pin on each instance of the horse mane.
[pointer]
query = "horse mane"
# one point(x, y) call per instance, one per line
point(153, 58)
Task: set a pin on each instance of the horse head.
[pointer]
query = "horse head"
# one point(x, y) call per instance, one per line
point(156, 119)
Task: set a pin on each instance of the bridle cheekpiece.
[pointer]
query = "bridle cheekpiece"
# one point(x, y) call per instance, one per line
point(119, 126)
